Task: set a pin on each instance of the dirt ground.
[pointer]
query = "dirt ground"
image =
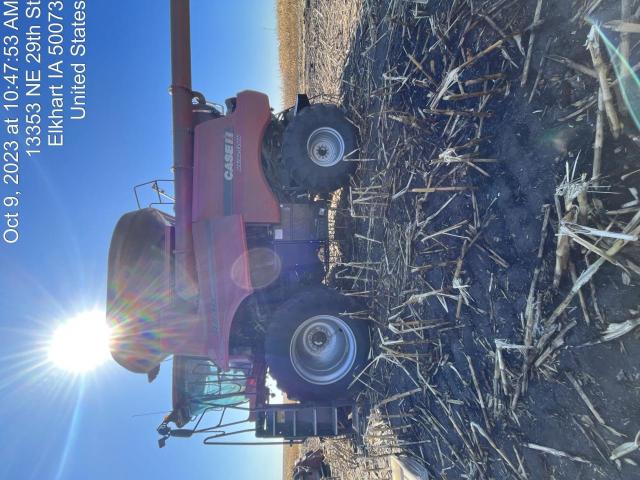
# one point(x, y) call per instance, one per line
point(482, 367)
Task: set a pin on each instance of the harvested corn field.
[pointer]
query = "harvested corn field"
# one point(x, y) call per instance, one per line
point(327, 30)
point(494, 221)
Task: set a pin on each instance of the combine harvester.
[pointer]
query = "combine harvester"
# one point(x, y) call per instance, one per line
point(231, 285)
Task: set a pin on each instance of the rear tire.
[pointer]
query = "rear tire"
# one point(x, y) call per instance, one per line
point(312, 349)
point(314, 145)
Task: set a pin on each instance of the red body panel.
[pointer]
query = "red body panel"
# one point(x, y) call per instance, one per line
point(223, 276)
point(228, 177)
point(229, 191)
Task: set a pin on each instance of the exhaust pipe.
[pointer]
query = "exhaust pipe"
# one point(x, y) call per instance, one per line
point(183, 135)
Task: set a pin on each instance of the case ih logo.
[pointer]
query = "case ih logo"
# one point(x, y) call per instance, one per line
point(228, 155)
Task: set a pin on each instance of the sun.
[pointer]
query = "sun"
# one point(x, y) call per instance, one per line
point(81, 343)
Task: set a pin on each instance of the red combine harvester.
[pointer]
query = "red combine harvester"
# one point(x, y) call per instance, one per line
point(231, 284)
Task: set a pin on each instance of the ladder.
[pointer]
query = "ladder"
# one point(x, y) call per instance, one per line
point(299, 421)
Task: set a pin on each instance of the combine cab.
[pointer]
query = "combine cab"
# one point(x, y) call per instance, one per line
point(230, 284)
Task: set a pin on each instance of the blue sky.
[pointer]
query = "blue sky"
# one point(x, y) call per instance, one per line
point(55, 426)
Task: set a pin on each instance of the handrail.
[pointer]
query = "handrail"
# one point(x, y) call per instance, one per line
point(160, 192)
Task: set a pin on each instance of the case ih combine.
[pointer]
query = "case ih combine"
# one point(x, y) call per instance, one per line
point(230, 286)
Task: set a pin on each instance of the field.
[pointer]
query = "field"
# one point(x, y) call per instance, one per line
point(493, 230)
point(289, 47)
point(290, 455)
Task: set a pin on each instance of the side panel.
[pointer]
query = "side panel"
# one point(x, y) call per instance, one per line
point(228, 176)
point(223, 274)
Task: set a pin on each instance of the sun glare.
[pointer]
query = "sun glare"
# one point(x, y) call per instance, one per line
point(81, 343)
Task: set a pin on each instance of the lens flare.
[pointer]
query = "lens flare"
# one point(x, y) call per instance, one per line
point(81, 343)
point(626, 75)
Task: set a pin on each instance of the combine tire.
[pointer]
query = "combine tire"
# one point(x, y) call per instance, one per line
point(314, 146)
point(312, 349)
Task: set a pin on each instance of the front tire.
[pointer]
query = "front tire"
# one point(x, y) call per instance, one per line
point(313, 350)
point(314, 145)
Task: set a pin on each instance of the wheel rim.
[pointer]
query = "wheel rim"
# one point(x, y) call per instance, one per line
point(323, 349)
point(325, 147)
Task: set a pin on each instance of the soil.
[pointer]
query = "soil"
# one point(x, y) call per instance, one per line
point(532, 144)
